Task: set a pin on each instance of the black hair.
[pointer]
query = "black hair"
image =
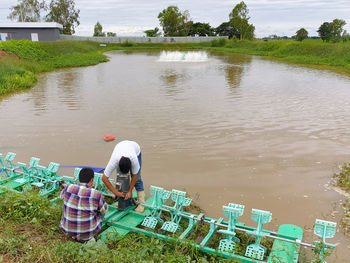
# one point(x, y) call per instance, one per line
point(85, 175)
point(124, 165)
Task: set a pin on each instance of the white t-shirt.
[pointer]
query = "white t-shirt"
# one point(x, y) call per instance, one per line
point(127, 149)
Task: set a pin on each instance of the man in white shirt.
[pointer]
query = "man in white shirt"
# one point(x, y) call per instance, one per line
point(126, 157)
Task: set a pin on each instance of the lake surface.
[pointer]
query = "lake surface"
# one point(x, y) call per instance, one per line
point(234, 128)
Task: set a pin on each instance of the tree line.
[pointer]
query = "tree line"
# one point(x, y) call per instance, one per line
point(59, 11)
point(328, 31)
point(173, 21)
point(177, 23)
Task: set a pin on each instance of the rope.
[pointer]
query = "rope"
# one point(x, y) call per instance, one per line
point(95, 169)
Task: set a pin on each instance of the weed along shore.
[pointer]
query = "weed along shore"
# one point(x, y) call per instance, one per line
point(342, 182)
point(22, 60)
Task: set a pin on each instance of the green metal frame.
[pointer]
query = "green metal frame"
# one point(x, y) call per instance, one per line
point(232, 212)
point(180, 200)
point(7, 167)
point(324, 229)
point(257, 250)
point(159, 198)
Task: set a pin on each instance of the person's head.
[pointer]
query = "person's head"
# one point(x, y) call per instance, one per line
point(86, 176)
point(124, 165)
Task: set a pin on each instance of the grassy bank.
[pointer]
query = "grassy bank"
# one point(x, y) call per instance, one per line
point(20, 61)
point(29, 232)
point(307, 52)
point(342, 180)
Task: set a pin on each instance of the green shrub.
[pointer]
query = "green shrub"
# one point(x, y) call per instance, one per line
point(218, 42)
point(128, 43)
point(343, 179)
point(12, 79)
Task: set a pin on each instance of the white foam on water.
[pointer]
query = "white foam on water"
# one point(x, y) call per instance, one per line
point(180, 56)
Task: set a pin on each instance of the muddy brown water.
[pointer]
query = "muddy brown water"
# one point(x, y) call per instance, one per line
point(235, 128)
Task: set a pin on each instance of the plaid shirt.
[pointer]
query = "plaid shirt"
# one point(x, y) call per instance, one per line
point(83, 211)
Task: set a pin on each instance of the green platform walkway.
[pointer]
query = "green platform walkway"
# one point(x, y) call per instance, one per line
point(128, 217)
point(286, 252)
point(11, 184)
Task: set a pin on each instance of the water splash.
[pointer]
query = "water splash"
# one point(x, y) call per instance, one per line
point(180, 56)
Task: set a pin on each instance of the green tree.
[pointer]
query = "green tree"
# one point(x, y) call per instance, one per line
point(27, 11)
point(225, 29)
point(64, 13)
point(345, 36)
point(111, 34)
point(174, 22)
point(301, 34)
point(325, 31)
point(98, 30)
point(249, 33)
point(332, 31)
point(153, 32)
point(201, 29)
point(337, 29)
point(239, 19)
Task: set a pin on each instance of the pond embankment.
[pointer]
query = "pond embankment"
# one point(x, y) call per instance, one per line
point(307, 52)
point(20, 61)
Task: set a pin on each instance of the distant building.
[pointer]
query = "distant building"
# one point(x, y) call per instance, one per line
point(30, 30)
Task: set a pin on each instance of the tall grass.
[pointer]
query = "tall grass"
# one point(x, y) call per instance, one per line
point(342, 180)
point(13, 78)
point(308, 52)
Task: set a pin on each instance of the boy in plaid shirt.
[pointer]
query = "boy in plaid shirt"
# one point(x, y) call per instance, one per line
point(83, 208)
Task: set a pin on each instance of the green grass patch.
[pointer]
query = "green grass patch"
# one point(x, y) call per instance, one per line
point(308, 52)
point(345, 221)
point(342, 180)
point(13, 78)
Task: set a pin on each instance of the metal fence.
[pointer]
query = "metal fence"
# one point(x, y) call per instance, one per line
point(142, 39)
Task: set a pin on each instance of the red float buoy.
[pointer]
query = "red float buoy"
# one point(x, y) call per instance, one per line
point(108, 137)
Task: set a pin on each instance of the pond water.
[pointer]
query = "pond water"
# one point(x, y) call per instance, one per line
point(230, 128)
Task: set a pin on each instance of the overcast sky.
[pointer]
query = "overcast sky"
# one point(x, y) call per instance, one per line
point(132, 17)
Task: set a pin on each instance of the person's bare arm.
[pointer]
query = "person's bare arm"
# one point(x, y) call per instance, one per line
point(110, 186)
point(132, 184)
